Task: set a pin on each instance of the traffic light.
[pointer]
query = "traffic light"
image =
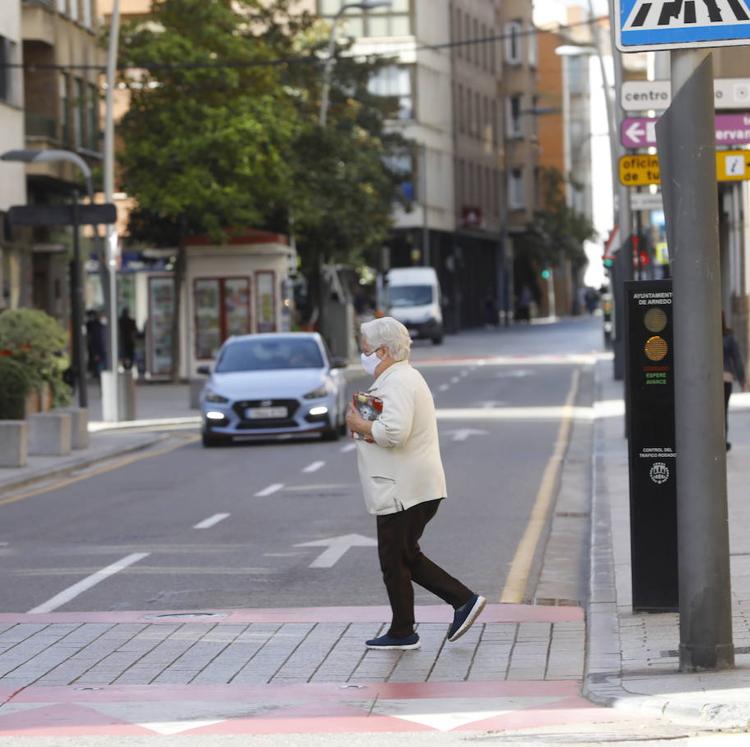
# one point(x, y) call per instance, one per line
point(546, 274)
point(608, 260)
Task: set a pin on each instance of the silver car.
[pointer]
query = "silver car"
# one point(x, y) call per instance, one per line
point(273, 384)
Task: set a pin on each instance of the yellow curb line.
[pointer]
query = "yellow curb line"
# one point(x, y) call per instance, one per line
point(520, 570)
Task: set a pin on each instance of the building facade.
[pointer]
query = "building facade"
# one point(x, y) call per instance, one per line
point(63, 61)
point(14, 257)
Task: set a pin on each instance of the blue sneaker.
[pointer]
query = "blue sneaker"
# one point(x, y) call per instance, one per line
point(463, 617)
point(389, 643)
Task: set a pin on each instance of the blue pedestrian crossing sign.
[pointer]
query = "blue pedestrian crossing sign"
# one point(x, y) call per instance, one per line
point(653, 25)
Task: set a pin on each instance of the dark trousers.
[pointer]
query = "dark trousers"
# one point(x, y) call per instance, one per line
point(727, 394)
point(402, 562)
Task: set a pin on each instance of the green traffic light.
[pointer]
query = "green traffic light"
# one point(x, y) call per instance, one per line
point(546, 274)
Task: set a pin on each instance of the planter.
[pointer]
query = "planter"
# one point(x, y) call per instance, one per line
point(50, 433)
point(39, 400)
point(13, 443)
point(79, 426)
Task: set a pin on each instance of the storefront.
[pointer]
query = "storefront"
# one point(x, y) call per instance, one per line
point(238, 288)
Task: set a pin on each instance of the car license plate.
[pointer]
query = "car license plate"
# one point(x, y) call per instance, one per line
point(265, 413)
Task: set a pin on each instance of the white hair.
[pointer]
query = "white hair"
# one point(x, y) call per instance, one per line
point(388, 333)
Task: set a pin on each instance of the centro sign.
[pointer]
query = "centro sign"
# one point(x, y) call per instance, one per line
point(644, 95)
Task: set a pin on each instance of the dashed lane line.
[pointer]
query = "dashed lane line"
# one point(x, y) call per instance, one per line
point(270, 490)
point(314, 467)
point(211, 521)
point(349, 447)
point(87, 583)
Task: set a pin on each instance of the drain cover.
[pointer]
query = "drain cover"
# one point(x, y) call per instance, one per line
point(186, 616)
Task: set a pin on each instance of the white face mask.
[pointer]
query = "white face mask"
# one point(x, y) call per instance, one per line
point(370, 362)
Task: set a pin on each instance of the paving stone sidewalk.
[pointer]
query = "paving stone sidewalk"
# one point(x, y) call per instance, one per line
point(511, 642)
point(632, 659)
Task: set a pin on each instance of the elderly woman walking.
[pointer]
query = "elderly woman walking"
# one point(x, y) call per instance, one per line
point(403, 483)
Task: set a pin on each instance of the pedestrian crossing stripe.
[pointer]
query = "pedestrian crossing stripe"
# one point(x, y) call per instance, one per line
point(658, 14)
point(670, 24)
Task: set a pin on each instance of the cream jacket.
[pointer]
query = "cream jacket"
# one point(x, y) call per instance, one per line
point(403, 467)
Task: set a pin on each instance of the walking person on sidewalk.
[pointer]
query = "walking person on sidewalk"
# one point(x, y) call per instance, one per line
point(734, 369)
point(398, 456)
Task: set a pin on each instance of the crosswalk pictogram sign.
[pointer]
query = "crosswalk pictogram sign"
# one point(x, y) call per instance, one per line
point(652, 25)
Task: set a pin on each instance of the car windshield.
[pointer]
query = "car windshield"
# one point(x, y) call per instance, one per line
point(269, 355)
point(410, 295)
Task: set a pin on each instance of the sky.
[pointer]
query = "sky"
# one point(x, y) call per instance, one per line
point(551, 10)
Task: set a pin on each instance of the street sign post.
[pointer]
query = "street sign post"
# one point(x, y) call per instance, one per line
point(61, 215)
point(654, 25)
point(640, 132)
point(656, 95)
point(645, 201)
point(686, 145)
point(642, 169)
point(639, 170)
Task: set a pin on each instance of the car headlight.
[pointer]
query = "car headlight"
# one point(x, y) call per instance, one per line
point(322, 391)
point(217, 398)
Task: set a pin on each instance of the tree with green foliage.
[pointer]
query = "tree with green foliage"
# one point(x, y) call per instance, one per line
point(557, 231)
point(222, 132)
point(205, 147)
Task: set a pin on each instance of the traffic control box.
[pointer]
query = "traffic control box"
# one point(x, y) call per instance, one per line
point(651, 445)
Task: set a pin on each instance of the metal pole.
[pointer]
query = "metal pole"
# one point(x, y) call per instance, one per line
point(425, 220)
point(111, 407)
point(76, 292)
point(686, 150)
point(325, 91)
point(623, 219)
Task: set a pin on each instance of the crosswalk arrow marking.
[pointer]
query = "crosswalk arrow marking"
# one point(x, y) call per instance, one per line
point(337, 547)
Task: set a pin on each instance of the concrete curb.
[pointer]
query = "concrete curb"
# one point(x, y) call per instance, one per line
point(35, 474)
point(603, 672)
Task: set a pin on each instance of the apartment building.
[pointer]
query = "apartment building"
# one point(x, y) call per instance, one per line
point(63, 62)
point(14, 260)
point(473, 154)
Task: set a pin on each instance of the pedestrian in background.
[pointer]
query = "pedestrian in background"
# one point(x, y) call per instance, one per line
point(398, 456)
point(128, 331)
point(734, 370)
point(95, 343)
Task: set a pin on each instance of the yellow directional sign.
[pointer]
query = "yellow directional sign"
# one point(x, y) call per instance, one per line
point(733, 165)
point(639, 170)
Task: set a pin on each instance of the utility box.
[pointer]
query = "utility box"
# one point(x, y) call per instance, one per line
point(651, 445)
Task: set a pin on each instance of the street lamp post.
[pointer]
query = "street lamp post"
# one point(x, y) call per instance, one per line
point(76, 287)
point(325, 92)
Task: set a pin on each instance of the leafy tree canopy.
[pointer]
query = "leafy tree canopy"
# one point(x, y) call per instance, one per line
point(557, 231)
point(220, 135)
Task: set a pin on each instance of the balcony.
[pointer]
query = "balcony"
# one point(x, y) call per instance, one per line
point(43, 128)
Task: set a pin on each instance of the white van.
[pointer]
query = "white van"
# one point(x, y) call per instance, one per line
point(413, 297)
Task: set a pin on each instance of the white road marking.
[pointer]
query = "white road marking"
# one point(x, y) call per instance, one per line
point(455, 380)
point(349, 447)
point(444, 387)
point(211, 521)
point(337, 547)
point(87, 583)
point(270, 490)
point(314, 467)
point(464, 433)
point(463, 374)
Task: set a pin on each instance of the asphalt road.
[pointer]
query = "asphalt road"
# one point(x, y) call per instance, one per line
point(231, 527)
